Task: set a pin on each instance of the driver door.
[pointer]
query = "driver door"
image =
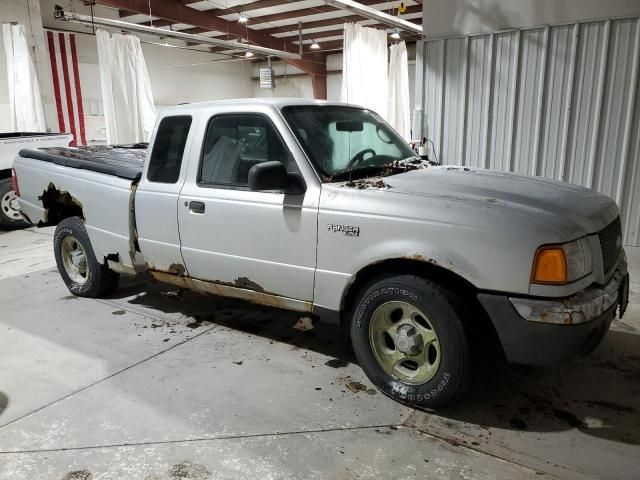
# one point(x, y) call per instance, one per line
point(260, 241)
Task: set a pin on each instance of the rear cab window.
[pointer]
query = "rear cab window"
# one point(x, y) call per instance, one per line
point(168, 149)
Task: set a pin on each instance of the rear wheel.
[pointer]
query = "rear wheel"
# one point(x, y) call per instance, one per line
point(10, 216)
point(408, 336)
point(77, 262)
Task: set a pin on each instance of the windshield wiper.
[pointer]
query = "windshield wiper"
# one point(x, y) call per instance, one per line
point(357, 172)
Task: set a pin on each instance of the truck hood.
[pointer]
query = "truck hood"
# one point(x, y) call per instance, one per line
point(571, 210)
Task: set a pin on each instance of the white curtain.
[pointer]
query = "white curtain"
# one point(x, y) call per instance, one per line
point(364, 67)
point(399, 111)
point(25, 101)
point(129, 111)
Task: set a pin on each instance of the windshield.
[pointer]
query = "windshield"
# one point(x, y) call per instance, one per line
point(344, 141)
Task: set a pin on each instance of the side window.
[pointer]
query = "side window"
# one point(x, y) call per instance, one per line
point(168, 148)
point(235, 143)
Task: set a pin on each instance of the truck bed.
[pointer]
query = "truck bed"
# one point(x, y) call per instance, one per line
point(124, 161)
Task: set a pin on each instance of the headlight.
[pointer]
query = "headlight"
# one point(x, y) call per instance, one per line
point(560, 264)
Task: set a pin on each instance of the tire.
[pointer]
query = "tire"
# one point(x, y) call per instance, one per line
point(10, 217)
point(428, 360)
point(77, 262)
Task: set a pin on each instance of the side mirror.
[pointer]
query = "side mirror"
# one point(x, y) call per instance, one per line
point(269, 176)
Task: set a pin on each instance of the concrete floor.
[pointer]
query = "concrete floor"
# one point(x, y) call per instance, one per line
point(145, 385)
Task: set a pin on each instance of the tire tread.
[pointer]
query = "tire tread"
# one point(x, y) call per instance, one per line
point(455, 311)
point(104, 281)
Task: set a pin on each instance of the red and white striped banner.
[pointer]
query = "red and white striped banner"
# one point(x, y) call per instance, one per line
point(66, 84)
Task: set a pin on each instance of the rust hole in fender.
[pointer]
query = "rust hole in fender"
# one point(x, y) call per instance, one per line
point(176, 269)
point(244, 282)
point(59, 204)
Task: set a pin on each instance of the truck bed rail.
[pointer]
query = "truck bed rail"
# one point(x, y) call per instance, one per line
point(124, 161)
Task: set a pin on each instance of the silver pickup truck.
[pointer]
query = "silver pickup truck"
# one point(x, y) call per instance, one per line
point(322, 208)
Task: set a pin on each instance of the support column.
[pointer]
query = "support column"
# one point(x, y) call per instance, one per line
point(319, 75)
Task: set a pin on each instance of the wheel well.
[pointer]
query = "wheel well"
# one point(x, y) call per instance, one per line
point(5, 174)
point(474, 315)
point(60, 205)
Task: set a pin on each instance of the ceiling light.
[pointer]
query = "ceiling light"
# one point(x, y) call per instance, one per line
point(242, 18)
point(396, 34)
point(314, 45)
point(248, 54)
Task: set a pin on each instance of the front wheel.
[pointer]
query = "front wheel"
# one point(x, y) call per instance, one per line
point(10, 216)
point(77, 262)
point(408, 336)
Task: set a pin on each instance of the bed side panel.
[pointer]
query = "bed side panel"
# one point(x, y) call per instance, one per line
point(104, 200)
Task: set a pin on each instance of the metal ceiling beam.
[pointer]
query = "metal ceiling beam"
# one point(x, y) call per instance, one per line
point(334, 45)
point(289, 14)
point(326, 23)
point(320, 35)
point(298, 12)
point(134, 27)
point(326, 44)
point(308, 25)
point(274, 17)
point(319, 39)
point(126, 13)
point(314, 24)
point(160, 22)
point(373, 14)
point(175, 11)
point(227, 11)
point(246, 7)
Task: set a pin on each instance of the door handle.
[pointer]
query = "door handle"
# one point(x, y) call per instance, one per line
point(196, 207)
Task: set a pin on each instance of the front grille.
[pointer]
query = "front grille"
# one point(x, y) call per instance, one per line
point(610, 244)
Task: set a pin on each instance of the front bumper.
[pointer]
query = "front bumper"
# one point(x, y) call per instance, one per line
point(555, 330)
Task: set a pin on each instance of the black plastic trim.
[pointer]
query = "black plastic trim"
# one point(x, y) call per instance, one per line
point(326, 315)
point(16, 135)
point(126, 172)
point(542, 344)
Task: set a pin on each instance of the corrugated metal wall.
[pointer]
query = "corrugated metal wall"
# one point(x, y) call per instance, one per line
point(556, 101)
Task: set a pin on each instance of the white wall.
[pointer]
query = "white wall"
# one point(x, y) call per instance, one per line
point(177, 75)
point(295, 87)
point(452, 17)
point(27, 13)
point(300, 87)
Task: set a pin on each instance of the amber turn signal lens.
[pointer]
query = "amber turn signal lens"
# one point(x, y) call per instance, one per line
point(550, 266)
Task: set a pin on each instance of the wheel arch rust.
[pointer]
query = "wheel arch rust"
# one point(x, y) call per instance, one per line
point(474, 314)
